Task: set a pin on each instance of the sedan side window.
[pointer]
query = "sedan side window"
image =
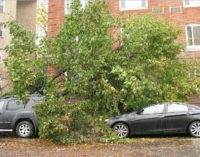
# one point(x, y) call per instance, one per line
point(177, 108)
point(1, 105)
point(155, 109)
point(194, 107)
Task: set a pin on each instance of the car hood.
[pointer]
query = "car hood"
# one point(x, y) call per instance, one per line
point(125, 116)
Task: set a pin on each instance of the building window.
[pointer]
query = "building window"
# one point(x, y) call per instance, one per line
point(175, 10)
point(191, 3)
point(193, 37)
point(1, 56)
point(133, 4)
point(158, 10)
point(2, 6)
point(68, 5)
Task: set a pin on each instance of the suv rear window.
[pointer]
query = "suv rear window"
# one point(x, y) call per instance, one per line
point(13, 105)
point(1, 105)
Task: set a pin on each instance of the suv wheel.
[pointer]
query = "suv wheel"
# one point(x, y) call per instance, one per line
point(24, 129)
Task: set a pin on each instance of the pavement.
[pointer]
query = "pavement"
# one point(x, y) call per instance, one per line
point(160, 146)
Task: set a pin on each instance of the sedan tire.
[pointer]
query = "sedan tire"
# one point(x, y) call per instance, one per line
point(194, 129)
point(24, 129)
point(121, 129)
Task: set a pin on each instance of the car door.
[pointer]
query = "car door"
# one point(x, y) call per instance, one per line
point(176, 118)
point(149, 121)
point(11, 109)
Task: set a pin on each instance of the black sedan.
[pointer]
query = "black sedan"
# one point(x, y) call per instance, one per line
point(165, 118)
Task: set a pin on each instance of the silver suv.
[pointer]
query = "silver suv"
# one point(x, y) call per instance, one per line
point(18, 117)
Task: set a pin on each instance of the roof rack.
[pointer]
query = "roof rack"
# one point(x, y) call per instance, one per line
point(7, 97)
point(36, 95)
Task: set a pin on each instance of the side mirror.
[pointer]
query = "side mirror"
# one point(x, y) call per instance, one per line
point(140, 111)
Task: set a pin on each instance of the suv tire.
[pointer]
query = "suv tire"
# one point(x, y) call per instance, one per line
point(24, 129)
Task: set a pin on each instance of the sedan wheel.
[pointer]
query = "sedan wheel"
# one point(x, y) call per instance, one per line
point(24, 129)
point(194, 129)
point(121, 130)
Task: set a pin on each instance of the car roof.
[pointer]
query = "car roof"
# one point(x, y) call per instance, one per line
point(33, 96)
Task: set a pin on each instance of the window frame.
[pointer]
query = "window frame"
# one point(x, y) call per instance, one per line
point(178, 111)
point(191, 47)
point(126, 9)
point(189, 6)
point(181, 10)
point(163, 10)
point(3, 7)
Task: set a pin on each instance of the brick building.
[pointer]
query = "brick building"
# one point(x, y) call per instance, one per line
point(183, 13)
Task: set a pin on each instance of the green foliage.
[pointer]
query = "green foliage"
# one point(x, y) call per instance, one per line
point(84, 47)
point(42, 18)
point(70, 123)
point(148, 64)
point(10, 94)
point(25, 62)
point(99, 81)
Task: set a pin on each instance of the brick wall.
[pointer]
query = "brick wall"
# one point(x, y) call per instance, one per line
point(187, 16)
point(55, 16)
point(55, 21)
point(194, 100)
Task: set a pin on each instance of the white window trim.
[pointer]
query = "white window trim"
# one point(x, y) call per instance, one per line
point(163, 10)
point(66, 9)
point(181, 9)
point(191, 48)
point(124, 9)
point(189, 6)
point(4, 3)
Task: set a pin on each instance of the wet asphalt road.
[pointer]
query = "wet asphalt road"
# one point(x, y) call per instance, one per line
point(181, 146)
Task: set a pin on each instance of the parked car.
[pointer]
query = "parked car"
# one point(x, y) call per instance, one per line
point(18, 117)
point(165, 118)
